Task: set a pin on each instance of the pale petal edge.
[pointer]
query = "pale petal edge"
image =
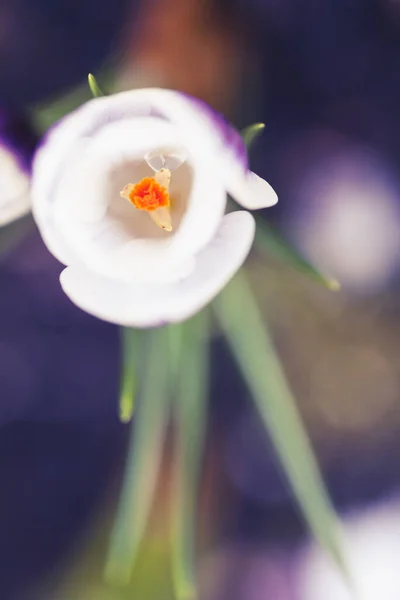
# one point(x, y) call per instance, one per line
point(248, 189)
point(132, 305)
point(15, 209)
point(81, 125)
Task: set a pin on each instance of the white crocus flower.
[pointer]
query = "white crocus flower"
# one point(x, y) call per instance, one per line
point(130, 193)
point(16, 145)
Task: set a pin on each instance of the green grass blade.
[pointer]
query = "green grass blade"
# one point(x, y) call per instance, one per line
point(12, 234)
point(250, 134)
point(42, 116)
point(131, 343)
point(143, 461)
point(190, 417)
point(271, 242)
point(241, 321)
point(94, 86)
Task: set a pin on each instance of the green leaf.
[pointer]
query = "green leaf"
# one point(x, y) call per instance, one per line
point(13, 233)
point(130, 352)
point(43, 116)
point(190, 419)
point(241, 321)
point(251, 133)
point(143, 461)
point(270, 241)
point(94, 86)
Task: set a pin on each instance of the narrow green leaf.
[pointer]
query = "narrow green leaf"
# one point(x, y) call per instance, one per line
point(175, 352)
point(143, 461)
point(190, 418)
point(13, 233)
point(94, 86)
point(270, 241)
point(130, 352)
point(250, 134)
point(241, 321)
point(44, 115)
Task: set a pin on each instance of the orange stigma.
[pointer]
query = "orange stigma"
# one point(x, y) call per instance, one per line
point(151, 194)
point(148, 195)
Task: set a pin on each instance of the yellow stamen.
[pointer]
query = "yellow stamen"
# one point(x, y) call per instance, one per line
point(151, 194)
point(162, 217)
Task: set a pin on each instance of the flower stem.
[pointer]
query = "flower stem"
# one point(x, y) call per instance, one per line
point(241, 321)
point(130, 347)
point(270, 242)
point(251, 133)
point(13, 234)
point(94, 86)
point(190, 410)
point(143, 461)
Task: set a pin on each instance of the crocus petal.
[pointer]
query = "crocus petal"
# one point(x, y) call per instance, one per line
point(89, 119)
point(102, 117)
point(228, 139)
point(248, 189)
point(145, 306)
point(77, 215)
point(14, 187)
point(17, 142)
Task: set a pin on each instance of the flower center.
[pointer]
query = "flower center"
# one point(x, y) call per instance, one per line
point(149, 195)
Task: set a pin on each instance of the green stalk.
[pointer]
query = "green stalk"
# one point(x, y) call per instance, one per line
point(13, 234)
point(190, 411)
point(94, 86)
point(131, 341)
point(241, 321)
point(251, 133)
point(143, 461)
point(271, 242)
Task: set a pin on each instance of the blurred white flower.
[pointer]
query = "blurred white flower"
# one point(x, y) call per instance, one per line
point(14, 185)
point(372, 550)
point(346, 217)
point(172, 159)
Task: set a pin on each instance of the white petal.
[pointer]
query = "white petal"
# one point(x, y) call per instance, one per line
point(14, 188)
point(102, 123)
point(89, 119)
point(248, 189)
point(43, 202)
point(81, 217)
point(165, 157)
point(145, 306)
